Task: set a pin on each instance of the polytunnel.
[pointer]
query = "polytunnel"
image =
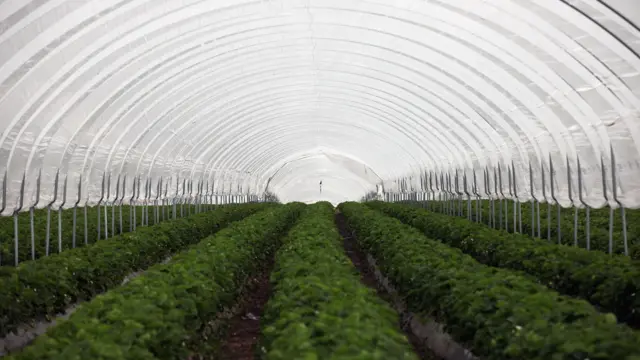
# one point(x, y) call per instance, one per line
point(184, 179)
point(249, 96)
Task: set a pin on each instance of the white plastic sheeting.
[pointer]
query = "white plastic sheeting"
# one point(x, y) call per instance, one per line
point(245, 95)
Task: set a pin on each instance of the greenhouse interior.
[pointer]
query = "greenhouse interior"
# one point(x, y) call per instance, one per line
point(320, 179)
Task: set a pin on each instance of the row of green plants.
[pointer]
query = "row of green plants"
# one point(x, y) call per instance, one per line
point(319, 308)
point(598, 223)
point(64, 242)
point(157, 315)
point(37, 289)
point(498, 314)
point(612, 283)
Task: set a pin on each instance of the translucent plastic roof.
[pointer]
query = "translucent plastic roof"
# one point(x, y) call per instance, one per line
point(280, 95)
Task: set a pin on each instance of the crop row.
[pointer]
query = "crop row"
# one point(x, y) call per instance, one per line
point(32, 241)
point(610, 282)
point(36, 289)
point(156, 314)
point(598, 224)
point(498, 314)
point(320, 309)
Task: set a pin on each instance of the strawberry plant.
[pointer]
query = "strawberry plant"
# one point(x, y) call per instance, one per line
point(156, 314)
point(320, 309)
point(610, 282)
point(499, 314)
point(48, 285)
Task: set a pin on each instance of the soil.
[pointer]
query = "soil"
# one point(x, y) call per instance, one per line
point(244, 328)
point(359, 260)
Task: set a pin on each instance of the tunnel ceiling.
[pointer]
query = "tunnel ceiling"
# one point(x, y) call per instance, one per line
point(248, 96)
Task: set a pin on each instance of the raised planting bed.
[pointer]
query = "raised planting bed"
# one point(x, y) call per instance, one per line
point(612, 283)
point(319, 308)
point(155, 315)
point(45, 287)
point(497, 314)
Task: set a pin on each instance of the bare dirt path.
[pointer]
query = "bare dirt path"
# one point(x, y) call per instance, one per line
point(367, 276)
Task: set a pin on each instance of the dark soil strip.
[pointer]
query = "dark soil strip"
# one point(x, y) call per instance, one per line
point(359, 260)
point(244, 327)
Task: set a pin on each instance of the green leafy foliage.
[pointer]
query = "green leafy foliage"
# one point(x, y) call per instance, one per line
point(598, 223)
point(320, 309)
point(610, 282)
point(48, 285)
point(7, 234)
point(499, 314)
point(154, 315)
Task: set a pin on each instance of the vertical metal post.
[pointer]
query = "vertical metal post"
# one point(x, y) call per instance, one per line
point(148, 200)
point(161, 210)
point(64, 201)
point(533, 203)
point(464, 180)
point(456, 196)
point(147, 196)
point(195, 198)
point(32, 215)
point(506, 215)
point(477, 196)
point(113, 207)
point(451, 197)
point(206, 197)
point(55, 198)
point(433, 193)
point(422, 197)
point(99, 207)
point(124, 193)
point(156, 211)
point(175, 197)
point(106, 208)
point(441, 194)
point(437, 204)
point(487, 191)
point(544, 194)
point(448, 194)
point(165, 201)
point(614, 191)
point(553, 196)
point(143, 202)
point(497, 195)
point(606, 197)
point(16, 229)
point(75, 214)
point(182, 198)
point(501, 194)
point(588, 222)
point(201, 196)
point(575, 208)
point(138, 192)
point(132, 209)
point(4, 193)
point(86, 221)
point(163, 197)
point(190, 195)
point(4, 201)
point(459, 194)
point(515, 194)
